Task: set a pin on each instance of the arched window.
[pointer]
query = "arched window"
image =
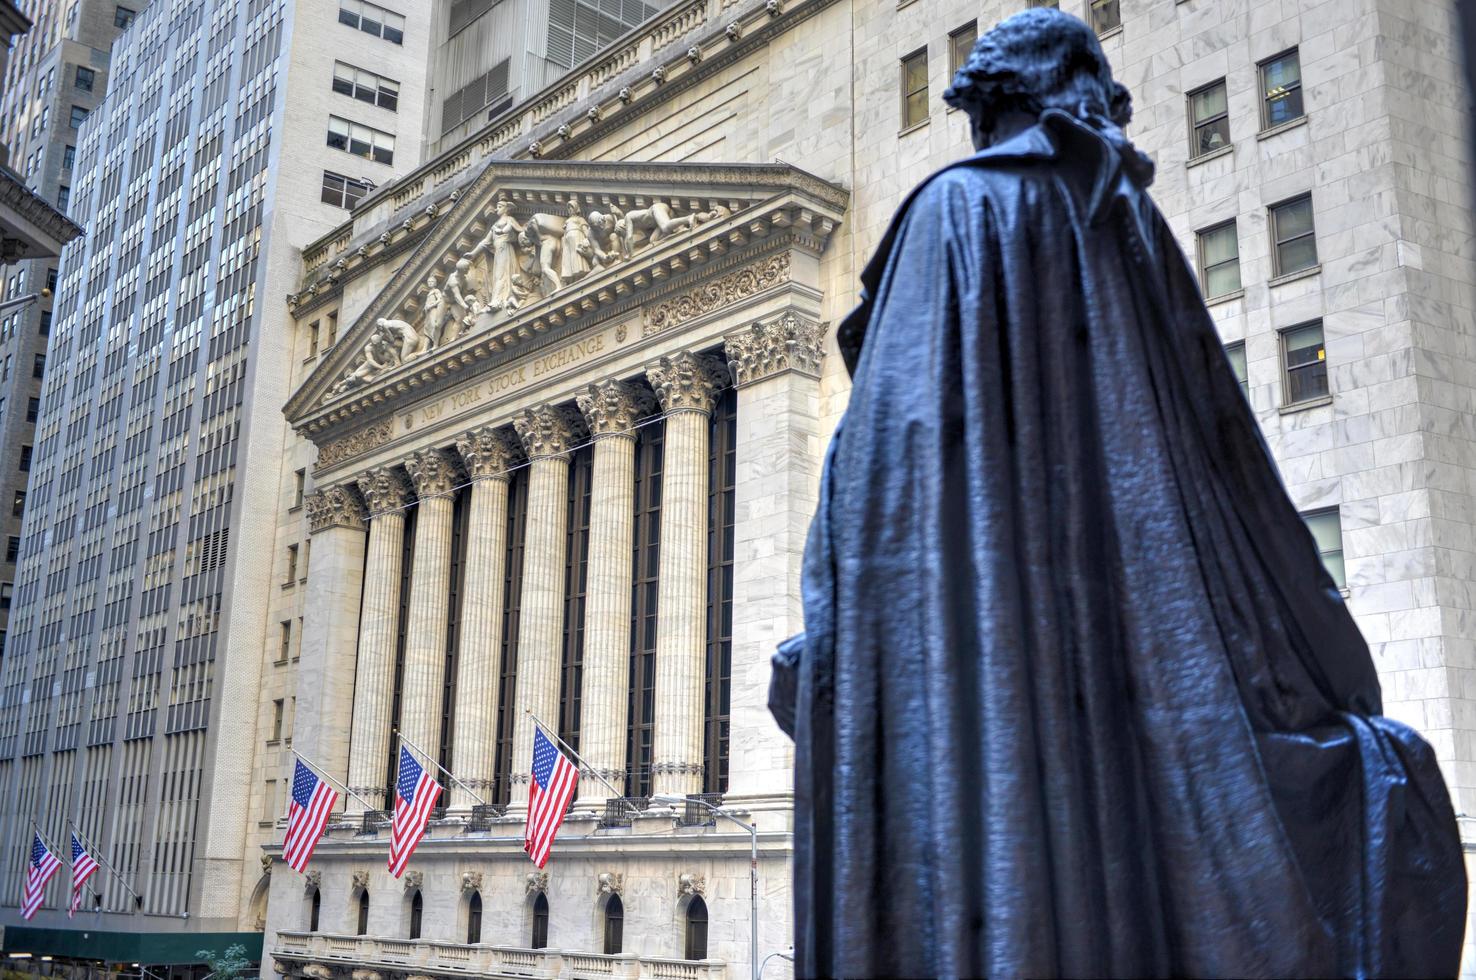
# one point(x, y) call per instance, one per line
point(697, 929)
point(614, 925)
point(363, 913)
point(540, 921)
point(416, 908)
point(315, 905)
point(474, 918)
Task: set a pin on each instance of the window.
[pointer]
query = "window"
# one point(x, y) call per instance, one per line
point(540, 922)
point(1209, 120)
point(51, 279)
point(33, 409)
point(361, 141)
point(38, 367)
point(78, 114)
point(277, 720)
point(313, 329)
point(1235, 354)
point(366, 86)
point(1106, 16)
point(417, 909)
point(696, 929)
point(63, 197)
point(961, 45)
point(18, 505)
point(1293, 236)
point(1219, 260)
point(474, 919)
point(332, 337)
point(286, 641)
point(363, 925)
point(5, 372)
point(291, 565)
point(315, 907)
point(1053, 4)
point(300, 479)
point(372, 20)
point(84, 78)
point(1281, 89)
point(614, 925)
point(915, 89)
point(25, 459)
point(12, 548)
point(271, 810)
point(1304, 363)
point(7, 589)
point(1327, 530)
point(45, 329)
point(343, 192)
point(69, 157)
point(122, 16)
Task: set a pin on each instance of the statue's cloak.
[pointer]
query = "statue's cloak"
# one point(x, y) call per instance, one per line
point(1077, 696)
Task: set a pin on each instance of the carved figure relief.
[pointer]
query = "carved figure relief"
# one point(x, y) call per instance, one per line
point(361, 880)
point(609, 883)
point(414, 880)
point(691, 884)
point(537, 881)
point(471, 881)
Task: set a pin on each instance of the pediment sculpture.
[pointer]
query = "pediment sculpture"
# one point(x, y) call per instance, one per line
point(515, 264)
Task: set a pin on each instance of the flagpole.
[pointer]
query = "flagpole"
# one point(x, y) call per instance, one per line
point(425, 755)
point(319, 770)
point(577, 758)
point(97, 856)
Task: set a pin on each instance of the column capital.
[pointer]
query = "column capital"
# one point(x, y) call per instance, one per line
point(688, 382)
point(433, 472)
point(385, 489)
point(335, 506)
point(549, 430)
point(788, 342)
point(612, 408)
point(488, 452)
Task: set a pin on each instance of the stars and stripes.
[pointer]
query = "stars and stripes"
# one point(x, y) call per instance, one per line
point(312, 802)
point(83, 866)
point(554, 782)
point(42, 866)
point(416, 793)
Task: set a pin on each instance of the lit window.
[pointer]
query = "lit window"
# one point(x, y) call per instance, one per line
point(1327, 530)
point(1281, 89)
point(1304, 363)
point(915, 89)
point(1106, 16)
point(961, 45)
point(1219, 260)
point(1293, 236)
point(366, 86)
point(122, 16)
point(1235, 354)
point(361, 141)
point(1209, 120)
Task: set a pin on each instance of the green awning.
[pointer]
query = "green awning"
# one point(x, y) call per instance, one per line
point(155, 948)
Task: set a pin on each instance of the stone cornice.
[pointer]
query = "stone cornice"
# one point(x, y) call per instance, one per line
point(35, 210)
point(788, 342)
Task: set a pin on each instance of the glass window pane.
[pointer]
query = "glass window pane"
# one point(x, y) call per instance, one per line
point(1219, 244)
point(1208, 102)
point(1235, 354)
point(1304, 344)
point(1221, 280)
point(1212, 136)
point(915, 73)
point(961, 45)
point(1293, 218)
point(1296, 256)
point(1282, 72)
point(917, 108)
point(1284, 107)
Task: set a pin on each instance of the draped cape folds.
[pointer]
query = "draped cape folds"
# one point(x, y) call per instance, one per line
point(1076, 696)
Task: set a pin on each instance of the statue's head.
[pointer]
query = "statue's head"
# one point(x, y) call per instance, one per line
point(432, 281)
point(503, 208)
point(463, 265)
point(1036, 60)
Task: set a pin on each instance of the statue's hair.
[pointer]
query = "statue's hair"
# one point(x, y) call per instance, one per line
point(1036, 60)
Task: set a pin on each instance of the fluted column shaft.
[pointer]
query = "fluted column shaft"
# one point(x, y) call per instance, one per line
point(422, 685)
point(611, 409)
point(487, 454)
point(330, 626)
point(686, 384)
point(385, 492)
point(548, 433)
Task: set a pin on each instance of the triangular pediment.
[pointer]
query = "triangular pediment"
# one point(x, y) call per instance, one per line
point(529, 246)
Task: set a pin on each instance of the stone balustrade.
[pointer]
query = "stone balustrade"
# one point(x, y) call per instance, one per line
point(320, 955)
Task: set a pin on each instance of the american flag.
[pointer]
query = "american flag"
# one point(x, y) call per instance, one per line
point(43, 865)
point(82, 868)
point(312, 801)
point(554, 782)
point(415, 794)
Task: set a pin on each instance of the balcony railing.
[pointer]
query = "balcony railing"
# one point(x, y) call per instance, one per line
point(295, 951)
point(694, 814)
point(621, 810)
point(375, 821)
point(481, 817)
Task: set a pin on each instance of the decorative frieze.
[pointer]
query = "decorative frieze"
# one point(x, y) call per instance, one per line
point(688, 382)
point(433, 471)
point(614, 407)
point(713, 296)
point(335, 506)
point(489, 452)
point(790, 342)
point(549, 430)
point(355, 444)
point(385, 489)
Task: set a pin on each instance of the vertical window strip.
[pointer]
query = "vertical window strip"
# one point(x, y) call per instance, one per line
point(512, 593)
point(645, 558)
point(576, 576)
point(460, 513)
point(721, 503)
point(402, 618)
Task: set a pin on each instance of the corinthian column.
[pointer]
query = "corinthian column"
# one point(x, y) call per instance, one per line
point(330, 624)
point(487, 453)
point(385, 494)
point(611, 409)
point(423, 681)
point(687, 385)
point(548, 433)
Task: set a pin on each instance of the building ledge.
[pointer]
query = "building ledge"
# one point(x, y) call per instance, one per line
point(1283, 127)
point(1303, 406)
point(1306, 273)
point(30, 228)
point(1215, 154)
point(1224, 297)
